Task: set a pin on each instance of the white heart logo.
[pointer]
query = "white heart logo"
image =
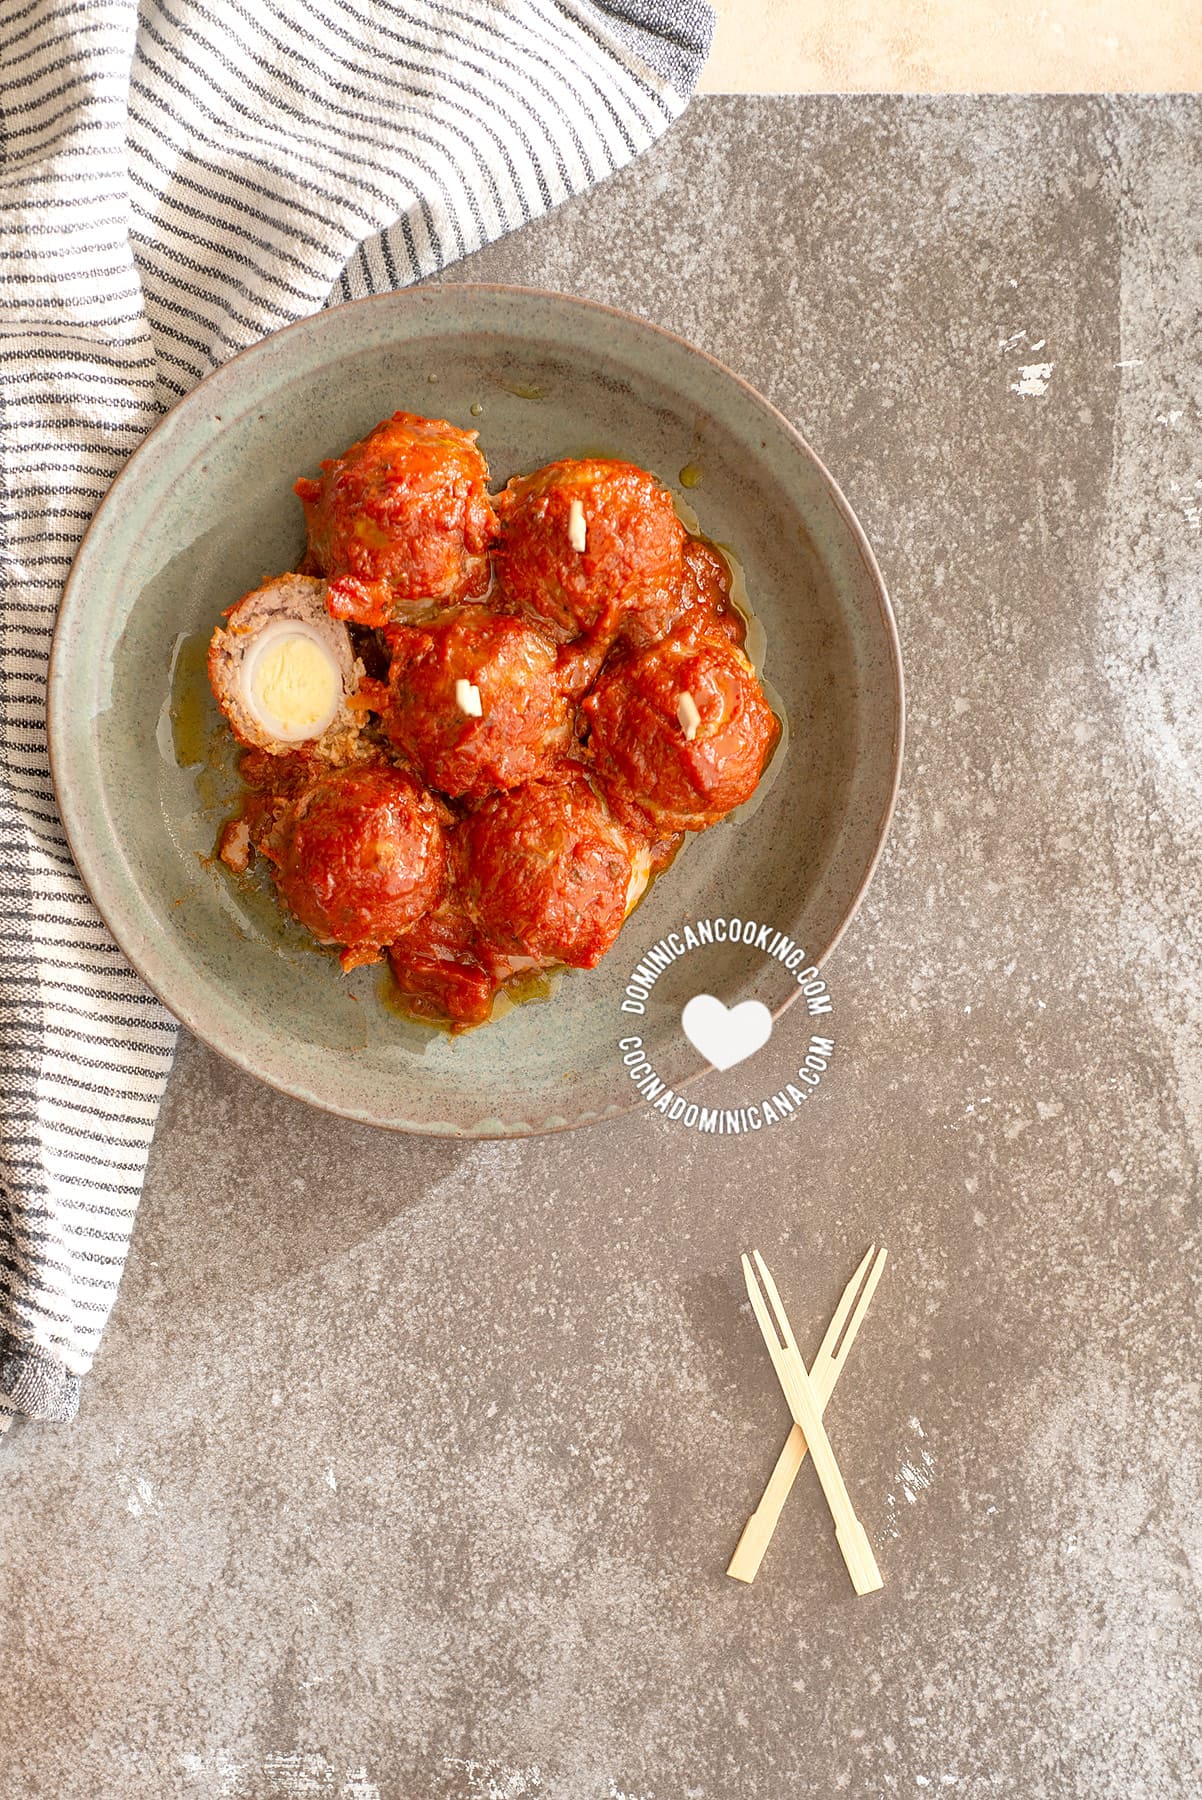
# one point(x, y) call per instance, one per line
point(726, 1035)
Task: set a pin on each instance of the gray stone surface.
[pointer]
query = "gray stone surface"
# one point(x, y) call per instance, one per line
point(411, 1470)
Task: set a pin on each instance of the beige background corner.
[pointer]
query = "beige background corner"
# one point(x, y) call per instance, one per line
point(955, 46)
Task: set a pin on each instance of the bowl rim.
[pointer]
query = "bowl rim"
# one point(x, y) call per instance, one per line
point(432, 289)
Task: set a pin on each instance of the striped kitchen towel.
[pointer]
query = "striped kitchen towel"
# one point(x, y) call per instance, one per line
point(177, 179)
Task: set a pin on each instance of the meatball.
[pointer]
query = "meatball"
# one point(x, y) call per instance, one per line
point(447, 972)
point(477, 701)
point(548, 873)
point(401, 523)
point(282, 670)
point(678, 733)
point(359, 857)
point(702, 603)
point(583, 542)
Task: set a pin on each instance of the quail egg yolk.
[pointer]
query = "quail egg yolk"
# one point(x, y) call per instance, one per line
point(293, 686)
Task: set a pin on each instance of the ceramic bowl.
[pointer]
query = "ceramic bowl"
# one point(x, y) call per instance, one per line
point(204, 511)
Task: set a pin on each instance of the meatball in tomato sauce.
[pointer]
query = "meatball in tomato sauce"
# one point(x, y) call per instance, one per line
point(701, 603)
point(401, 523)
point(448, 972)
point(359, 857)
point(547, 872)
point(443, 970)
point(679, 733)
point(583, 542)
point(479, 702)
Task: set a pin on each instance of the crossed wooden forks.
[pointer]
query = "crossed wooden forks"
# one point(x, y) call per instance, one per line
point(807, 1392)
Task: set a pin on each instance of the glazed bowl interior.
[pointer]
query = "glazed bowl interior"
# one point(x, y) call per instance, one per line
point(205, 511)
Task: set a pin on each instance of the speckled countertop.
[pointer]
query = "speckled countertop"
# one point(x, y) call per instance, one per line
point(409, 1471)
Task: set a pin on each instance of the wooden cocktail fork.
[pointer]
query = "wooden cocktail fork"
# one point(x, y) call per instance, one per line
point(806, 1408)
point(825, 1371)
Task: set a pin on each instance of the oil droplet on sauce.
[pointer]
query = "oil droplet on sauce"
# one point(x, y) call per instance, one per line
point(690, 475)
point(475, 409)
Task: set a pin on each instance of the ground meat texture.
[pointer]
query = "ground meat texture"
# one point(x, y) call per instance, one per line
point(633, 544)
point(234, 844)
point(359, 857)
point(280, 776)
point(546, 871)
point(702, 603)
point(652, 775)
point(526, 709)
point(401, 523)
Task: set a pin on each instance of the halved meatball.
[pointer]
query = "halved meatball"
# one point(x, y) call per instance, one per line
point(582, 542)
point(401, 522)
point(282, 669)
point(359, 857)
point(478, 701)
point(547, 872)
point(679, 733)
